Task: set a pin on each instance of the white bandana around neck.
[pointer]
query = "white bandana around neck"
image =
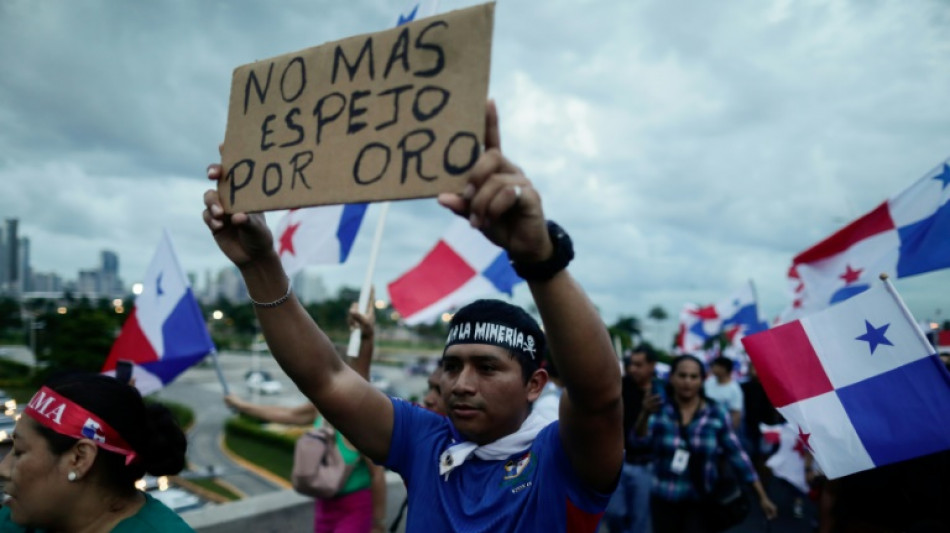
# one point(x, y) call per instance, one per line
point(505, 447)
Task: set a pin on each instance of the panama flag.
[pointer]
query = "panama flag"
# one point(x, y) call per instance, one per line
point(463, 266)
point(317, 235)
point(735, 316)
point(788, 461)
point(904, 236)
point(859, 382)
point(165, 332)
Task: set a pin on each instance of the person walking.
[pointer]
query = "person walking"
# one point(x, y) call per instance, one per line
point(689, 434)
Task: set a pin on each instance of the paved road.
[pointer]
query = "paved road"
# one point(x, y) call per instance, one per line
point(19, 354)
point(784, 496)
point(199, 389)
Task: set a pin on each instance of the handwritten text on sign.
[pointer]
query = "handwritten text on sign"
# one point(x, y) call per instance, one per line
point(390, 115)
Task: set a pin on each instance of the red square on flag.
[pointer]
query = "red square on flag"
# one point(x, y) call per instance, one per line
point(787, 364)
point(441, 273)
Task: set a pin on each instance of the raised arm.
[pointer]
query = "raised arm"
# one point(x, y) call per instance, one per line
point(501, 202)
point(299, 415)
point(367, 326)
point(353, 406)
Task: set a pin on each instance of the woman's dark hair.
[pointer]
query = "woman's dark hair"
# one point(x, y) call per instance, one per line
point(149, 429)
point(674, 365)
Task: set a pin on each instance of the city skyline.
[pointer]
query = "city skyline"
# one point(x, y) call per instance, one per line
point(106, 282)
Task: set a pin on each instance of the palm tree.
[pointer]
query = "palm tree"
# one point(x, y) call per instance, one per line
point(628, 329)
point(658, 315)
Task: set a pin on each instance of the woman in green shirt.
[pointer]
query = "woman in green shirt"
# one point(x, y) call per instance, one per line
point(78, 449)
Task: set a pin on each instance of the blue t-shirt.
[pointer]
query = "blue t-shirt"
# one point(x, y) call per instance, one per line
point(536, 490)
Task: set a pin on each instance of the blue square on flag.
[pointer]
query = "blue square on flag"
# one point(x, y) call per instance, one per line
point(911, 399)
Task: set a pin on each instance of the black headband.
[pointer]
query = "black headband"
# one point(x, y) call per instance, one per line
point(499, 324)
point(505, 336)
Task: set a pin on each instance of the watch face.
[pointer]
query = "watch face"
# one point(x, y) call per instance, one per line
point(545, 270)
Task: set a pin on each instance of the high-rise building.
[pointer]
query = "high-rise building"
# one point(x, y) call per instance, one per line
point(11, 259)
point(88, 283)
point(230, 286)
point(46, 282)
point(110, 262)
point(110, 285)
point(24, 270)
point(3, 263)
point(309, 287)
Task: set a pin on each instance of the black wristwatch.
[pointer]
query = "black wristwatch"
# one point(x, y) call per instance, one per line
point(562, 256)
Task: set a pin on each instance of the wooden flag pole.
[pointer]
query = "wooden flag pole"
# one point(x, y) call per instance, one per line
point(353, 347)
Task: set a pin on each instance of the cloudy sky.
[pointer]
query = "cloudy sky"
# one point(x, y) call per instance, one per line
point(687, 146)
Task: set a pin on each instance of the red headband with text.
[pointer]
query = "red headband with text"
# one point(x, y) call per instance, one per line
point(66, 417)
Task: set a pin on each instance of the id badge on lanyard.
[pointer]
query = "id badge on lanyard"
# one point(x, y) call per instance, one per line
point(681, 455)
point(680, 461)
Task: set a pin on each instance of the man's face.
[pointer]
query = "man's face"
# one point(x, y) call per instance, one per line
point(484, 392)
point(719, 372)
point(640, 368)
point(433, 399)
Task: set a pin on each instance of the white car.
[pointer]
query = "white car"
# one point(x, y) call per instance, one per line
point(8, 414)
point(262, 382)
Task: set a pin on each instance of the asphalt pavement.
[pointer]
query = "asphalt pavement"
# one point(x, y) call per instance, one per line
point(199, 389)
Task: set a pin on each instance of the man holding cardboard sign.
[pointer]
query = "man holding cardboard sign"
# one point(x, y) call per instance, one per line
point(388, 115)
point(490, 465)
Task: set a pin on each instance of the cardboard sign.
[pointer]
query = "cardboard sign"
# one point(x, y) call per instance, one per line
point(389, 115)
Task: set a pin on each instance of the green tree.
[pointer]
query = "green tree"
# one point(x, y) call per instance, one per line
point(657, 313)
point(80, 339)
point(9, 314)
point(628, 329)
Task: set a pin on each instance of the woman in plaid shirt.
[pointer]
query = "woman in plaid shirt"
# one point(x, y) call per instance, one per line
point(676, 498)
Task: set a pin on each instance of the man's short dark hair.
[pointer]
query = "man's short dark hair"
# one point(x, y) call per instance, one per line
point(646, 350)
point(723, 362)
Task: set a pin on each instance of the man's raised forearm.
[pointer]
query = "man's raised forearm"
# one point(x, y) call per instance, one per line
point(300, 347)
point(579, 343)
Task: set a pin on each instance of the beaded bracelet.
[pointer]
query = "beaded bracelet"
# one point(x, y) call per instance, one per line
point(276, 302)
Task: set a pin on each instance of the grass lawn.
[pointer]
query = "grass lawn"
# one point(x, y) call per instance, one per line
point(22, 395)
point(213, 486)
point(266, 455)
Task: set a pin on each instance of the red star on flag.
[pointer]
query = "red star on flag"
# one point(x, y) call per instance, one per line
point(287, 239)
point(705, 313)
point(731, 333)
point(802, 443)
point(851, 275)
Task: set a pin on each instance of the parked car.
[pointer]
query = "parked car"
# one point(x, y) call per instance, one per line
point(8, 410)
point(175, 498)
point(262, 382)
point(7, 404)
point(422, 367)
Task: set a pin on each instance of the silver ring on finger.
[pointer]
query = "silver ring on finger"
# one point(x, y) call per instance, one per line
point(517, 190)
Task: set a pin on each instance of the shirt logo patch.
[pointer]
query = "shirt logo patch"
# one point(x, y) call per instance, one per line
point(514, 468)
